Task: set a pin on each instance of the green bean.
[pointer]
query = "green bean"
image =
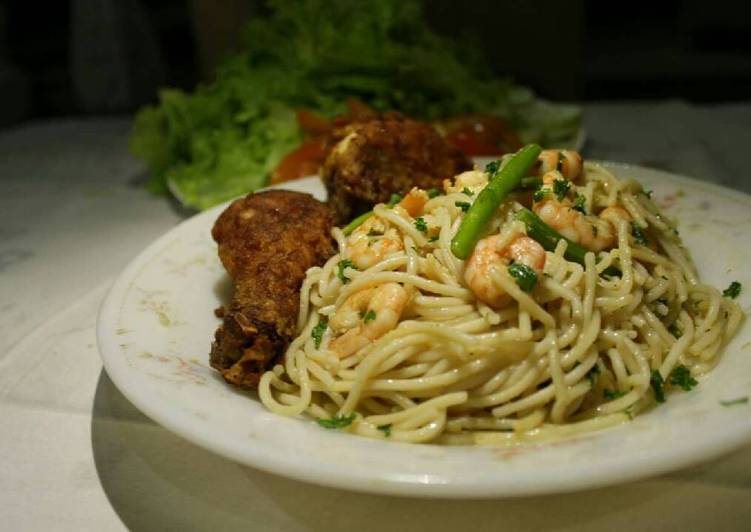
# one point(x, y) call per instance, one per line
point(501, 183)
point(549, 238)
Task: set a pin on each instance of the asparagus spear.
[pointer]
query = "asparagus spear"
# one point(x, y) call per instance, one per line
point(501, 183)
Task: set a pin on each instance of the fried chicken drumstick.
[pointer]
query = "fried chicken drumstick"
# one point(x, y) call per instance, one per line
point(370, 160)
point(266, 241)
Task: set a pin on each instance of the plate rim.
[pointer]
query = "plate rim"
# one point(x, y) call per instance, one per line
point(260, 457)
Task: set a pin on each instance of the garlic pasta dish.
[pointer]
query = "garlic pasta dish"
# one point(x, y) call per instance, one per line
point(537, 298)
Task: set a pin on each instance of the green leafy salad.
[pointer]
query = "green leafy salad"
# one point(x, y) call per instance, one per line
point(223, 139)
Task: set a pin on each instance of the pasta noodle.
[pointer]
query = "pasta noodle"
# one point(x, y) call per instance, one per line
point(580, 352)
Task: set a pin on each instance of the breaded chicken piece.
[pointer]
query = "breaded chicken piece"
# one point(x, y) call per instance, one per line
point(368, 161)
point(267, 241)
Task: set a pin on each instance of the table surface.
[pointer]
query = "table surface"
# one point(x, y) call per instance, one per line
point(76, 455)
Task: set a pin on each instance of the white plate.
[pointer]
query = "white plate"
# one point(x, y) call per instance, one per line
point(156, 326)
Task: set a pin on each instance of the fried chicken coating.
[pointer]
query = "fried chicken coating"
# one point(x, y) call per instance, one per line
point(370, 160)
point(267, 241)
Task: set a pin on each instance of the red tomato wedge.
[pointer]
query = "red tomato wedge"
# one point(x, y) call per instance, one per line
point(303, 161)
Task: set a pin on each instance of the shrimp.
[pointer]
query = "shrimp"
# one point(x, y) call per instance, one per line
point(365, 316)
point(474, 180)
point(371, 242)
point(593, 232)
point(414, 201)
point(567, 162)
point(487, 255)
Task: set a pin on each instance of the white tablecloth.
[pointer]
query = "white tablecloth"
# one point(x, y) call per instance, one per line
point(76, 455)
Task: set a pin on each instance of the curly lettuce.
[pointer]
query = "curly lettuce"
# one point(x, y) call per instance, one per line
point(223, 139)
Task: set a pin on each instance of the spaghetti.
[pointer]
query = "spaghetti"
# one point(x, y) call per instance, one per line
point(430, 358)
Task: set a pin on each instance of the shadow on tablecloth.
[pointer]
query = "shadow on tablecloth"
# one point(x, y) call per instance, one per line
point(157, 481)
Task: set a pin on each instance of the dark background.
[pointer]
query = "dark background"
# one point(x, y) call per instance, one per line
point(79, 57)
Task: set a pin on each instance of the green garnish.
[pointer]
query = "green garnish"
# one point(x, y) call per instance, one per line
point(539, 194)
point(734, 402)
point(593, 374)
point(433, 238)
point(467, 192)
point(525, 276)
point(433, 192)
point(373, 232)
point(394, 199)
point(675, 331)
point(733, 290)
point(492, 167)
point(500, 184)
point(656, 381)
point(318, 330)
point(386, 429)
point(561, 187)
point(579, 204)
point(341, 266)
point(337, 422)
point(610, 395)
point(681, 376)
point(639, 235)
point(369, 316)
point(421, 225)
point(463, 205)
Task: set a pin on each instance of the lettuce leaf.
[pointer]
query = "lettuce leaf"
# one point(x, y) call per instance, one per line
point(223, 139)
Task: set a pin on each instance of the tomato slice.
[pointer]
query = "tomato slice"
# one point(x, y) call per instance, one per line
point(305, 160)
point(312, 124)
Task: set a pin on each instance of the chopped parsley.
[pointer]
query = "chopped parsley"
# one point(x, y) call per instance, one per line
point(467, 192)
point(735, 402)
point(639, 235)
point(463, 205)
point(593, 374)
point(370, 315)
point(612, 394)
point(561, 159)
point(433, 192)
point(337, 422)
point(560, 188)
point(539, 194)
point(579, 204)
point(318, 330)
point(386, 429)
point(492, 167)
point(525, 276)
point(395, 198)
point(675, 331)
point(341, 266)
point(433, 238)
point(681, 376)
point(733, 290)
point(421, 225)
point(656, 381)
